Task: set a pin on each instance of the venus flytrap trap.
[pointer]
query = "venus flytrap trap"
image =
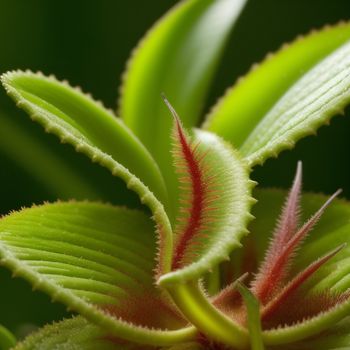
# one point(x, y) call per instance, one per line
point(169, 279)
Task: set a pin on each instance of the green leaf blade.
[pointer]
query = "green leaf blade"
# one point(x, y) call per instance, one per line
point(175, 59)
point(253, 312)
point(70, 334)
point(239, 112)
point(96, 259)
point(63, 126)
point(322, 93)
point(68, 113)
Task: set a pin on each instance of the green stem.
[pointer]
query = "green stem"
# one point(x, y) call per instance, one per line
point(200, 312)
point(253, 311)
point(214, 281)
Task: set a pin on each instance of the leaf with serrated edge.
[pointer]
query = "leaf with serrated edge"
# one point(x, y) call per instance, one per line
point(175, 58)
point(225, 210)
point(332, 231)
point(71, 334)
point(319, 95)
point(76, 118)
point(336, 338)
point(96, 259)
point(239, 112)
point(68, 131)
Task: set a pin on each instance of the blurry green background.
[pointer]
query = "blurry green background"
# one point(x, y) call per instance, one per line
point(88, 42)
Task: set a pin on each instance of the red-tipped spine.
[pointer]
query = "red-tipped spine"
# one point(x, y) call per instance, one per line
point(291, 287)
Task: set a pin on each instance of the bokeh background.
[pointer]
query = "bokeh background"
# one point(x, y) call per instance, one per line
point(88, 42)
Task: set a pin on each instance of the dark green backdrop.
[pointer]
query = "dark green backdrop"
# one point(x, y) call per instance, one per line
point(88, 42)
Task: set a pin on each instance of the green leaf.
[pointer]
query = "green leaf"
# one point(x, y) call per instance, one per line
point(77, 119)
point(175, 58)
point(70, 334)
point(7, 339)
point(253, 114)
point(31, 154)
point(337, 338)
point(253, 312)
point(218, 179)
point(96, 259)
point(332, 231)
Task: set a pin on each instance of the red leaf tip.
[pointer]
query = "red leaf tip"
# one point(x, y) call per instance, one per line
point(287, 239)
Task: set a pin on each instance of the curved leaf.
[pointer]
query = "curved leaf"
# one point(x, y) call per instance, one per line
point(238, 114)
point(311, 102)
point(96, 259)
point(32, 155)
point(332, 231)
point(337, 338)
point(70, 131)
point(175, 58)
point(70, 334)
point(216, 205)
point(69, 114)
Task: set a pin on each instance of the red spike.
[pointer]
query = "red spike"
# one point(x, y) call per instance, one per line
point(286, 226)
point(291, 287)
point(289, 219)
point(276, 267)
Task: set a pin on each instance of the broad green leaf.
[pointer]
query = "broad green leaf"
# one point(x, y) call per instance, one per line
point(311, 102)
point(179, 57)
point(96, 259)
point(7, 339)
point(332, 231)
point(216, 206)
point(77, 119)
point(70, 334)
point(248, 115)
point(32, 155)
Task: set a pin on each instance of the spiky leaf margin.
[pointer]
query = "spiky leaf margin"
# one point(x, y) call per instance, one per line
point(331, 232)
point(224, 186)
point(238, 113)
point(174, 57)
point(61, 111)
point(96, 259)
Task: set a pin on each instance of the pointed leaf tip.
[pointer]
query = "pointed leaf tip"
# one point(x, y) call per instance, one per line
point(297, 282)
point(282, 249)
point(326, 295)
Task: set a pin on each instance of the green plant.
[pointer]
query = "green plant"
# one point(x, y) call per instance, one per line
point(188, 288)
